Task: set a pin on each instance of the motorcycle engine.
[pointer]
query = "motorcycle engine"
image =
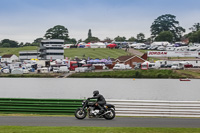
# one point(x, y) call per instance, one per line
point(93, 111)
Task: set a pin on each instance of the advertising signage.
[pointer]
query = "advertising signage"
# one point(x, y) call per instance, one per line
point(173, 54)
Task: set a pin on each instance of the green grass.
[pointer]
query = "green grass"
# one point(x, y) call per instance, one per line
point(74, 52)
point(31, 75)
point(100, 53)
point(130, 74)
point(16, 50)
point(28, 129)
point(189, 73)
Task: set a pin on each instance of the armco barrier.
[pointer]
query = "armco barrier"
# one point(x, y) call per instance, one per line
point(156, 108)
point(123, 107)
point(40, 106)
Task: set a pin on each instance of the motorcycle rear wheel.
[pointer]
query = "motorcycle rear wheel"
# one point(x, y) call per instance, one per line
point(110, 115)
point(80, 113)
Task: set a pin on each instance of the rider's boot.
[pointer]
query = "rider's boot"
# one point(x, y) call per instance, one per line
point(101, 110)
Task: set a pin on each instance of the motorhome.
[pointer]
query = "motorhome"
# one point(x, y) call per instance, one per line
point(160, 44)
point(183, 48)
point(63, 69)
point(149, 65)
point(179, 65)
point(161, 48)
point(170, 48)
point(135, 45)
point(141, 46)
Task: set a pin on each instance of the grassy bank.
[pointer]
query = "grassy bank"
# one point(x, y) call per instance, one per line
point(34, 75)
point(23, 129)
point(71, 53)
point(132, 74)
point(16, 50)
point(94, 53)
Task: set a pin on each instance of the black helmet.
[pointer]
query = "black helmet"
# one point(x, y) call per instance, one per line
point(95, 93)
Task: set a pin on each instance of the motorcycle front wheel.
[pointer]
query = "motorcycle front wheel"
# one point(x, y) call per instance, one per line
point(80, 113)
point(110, 115)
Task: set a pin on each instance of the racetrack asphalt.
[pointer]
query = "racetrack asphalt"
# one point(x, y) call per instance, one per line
point(94, 122)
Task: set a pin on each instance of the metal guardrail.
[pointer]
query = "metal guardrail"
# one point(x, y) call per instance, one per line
point(123, 107)
point(39, 106)
point(156, 108)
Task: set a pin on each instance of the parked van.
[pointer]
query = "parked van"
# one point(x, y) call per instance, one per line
point(177, 66)
point(63, 69)
point(44, 70)
point(121, 67)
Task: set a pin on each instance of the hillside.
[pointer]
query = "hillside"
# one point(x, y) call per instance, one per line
point(94, 53)
point(16, 50)
point(74, 52)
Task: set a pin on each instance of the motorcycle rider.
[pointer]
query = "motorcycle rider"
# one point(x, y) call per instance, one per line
point(100, 100)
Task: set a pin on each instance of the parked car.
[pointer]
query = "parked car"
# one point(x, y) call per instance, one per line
point(55, 69)
point(6, 71)
point(188, 66)
point(25, 71)
point(112, 45)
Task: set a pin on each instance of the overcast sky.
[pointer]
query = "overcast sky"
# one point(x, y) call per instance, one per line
point(26, 20)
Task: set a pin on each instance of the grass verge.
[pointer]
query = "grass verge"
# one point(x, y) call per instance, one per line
point(31, 75)
point(27, 129)
point(131, 74)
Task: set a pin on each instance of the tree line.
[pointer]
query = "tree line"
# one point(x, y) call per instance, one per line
point(164, 28)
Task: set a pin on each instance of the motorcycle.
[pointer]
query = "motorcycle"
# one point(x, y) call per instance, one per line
point(90, 109)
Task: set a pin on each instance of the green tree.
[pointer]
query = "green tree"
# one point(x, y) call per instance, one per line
point(195, 27)
point(27, 44)
point(195, 37)
point(80, 40)
point(149, 40)
point(140, 37)
point(107, 39)
point(10, 42)
point(37, 42)
point(132, 39)
point(92, 39)
point(89, 33)
point(71, 41)
point(21, 44)
point(167, 22)
point(57, 32)
point(6, 45)
point(120, 39)
point(165, 36)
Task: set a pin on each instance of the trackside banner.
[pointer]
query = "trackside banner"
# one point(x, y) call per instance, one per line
point(173, 54)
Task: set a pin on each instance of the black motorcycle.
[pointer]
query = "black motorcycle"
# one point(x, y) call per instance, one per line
point(90, 109)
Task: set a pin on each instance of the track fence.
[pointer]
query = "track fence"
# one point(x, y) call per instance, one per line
point(123, 107)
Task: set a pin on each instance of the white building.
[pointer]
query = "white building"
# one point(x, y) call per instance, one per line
point(27, 55)
point(52, 49)
point(9, 58)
